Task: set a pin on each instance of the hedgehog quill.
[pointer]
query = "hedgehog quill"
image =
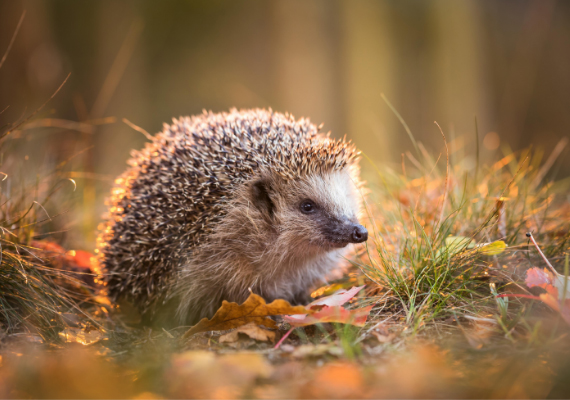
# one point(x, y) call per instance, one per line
point(218, 204)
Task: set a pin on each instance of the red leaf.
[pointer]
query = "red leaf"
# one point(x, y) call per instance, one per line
point(80, 258)
point(337, 299)
point(52, 248)
point(330, 310)
point(545, 279)
point(538, 277)
point(355, 317)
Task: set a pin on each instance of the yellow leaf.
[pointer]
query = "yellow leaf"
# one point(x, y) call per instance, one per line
point(76, 335)
point(494, 248)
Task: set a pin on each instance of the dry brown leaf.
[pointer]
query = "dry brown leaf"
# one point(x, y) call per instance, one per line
point(252, 330)
point(76, 335)
point(254, 309)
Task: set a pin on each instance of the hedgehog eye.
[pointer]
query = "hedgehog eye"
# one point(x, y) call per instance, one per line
point(308, 207)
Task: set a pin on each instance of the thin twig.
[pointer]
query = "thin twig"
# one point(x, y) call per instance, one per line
point(13, 38)
point(529, 235)
point(138, 128)
point(476, 150)
point(117, 69)
point(37, 110)
point(60, 123)
point(548, 164)
point(406, 128)
point(283, 338)
point(446, 174)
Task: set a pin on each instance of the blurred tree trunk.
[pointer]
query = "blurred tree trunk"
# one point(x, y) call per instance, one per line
point(459, 89)
point(368, 61)
point(306, 71)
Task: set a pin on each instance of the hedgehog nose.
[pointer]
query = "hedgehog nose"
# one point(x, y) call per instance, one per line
point(359, 234)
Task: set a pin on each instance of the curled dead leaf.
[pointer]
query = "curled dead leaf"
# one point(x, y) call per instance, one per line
point(76, 335)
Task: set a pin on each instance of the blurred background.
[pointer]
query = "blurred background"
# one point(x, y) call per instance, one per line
point(507, 63)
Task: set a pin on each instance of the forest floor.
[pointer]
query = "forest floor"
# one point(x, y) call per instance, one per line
point(460, 291)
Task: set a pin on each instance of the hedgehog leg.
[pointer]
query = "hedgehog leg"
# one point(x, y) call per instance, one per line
point(301, 298)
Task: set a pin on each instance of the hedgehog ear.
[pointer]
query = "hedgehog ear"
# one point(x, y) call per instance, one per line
point(262, 199)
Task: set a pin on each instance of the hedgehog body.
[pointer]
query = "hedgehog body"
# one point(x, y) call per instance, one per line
point(221, 204)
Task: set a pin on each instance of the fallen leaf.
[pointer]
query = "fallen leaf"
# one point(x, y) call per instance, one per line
point(356, 317)
point(333, 288)
point(75, 335)
point(556, 287)
point(252, 330)
point(543, 278)
point(556, 305)
point(538, 277)
point(254, 309)
point(49, 247)
point(456, 244)
point(557, 294)
point(493, 248)
point(80, 259)
point(103, 300)
point(337, 299)
point(328, 309)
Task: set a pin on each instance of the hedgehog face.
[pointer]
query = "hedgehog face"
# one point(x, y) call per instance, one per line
point(316, 212)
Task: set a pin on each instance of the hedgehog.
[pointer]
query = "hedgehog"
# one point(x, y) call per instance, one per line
point(223, 204)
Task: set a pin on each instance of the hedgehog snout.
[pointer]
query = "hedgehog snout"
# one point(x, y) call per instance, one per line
point(342, 232)
point(359, 234)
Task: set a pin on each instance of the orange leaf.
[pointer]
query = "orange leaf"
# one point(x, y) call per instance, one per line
point(80, 258)
point(49, 247)
point(254, 309)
